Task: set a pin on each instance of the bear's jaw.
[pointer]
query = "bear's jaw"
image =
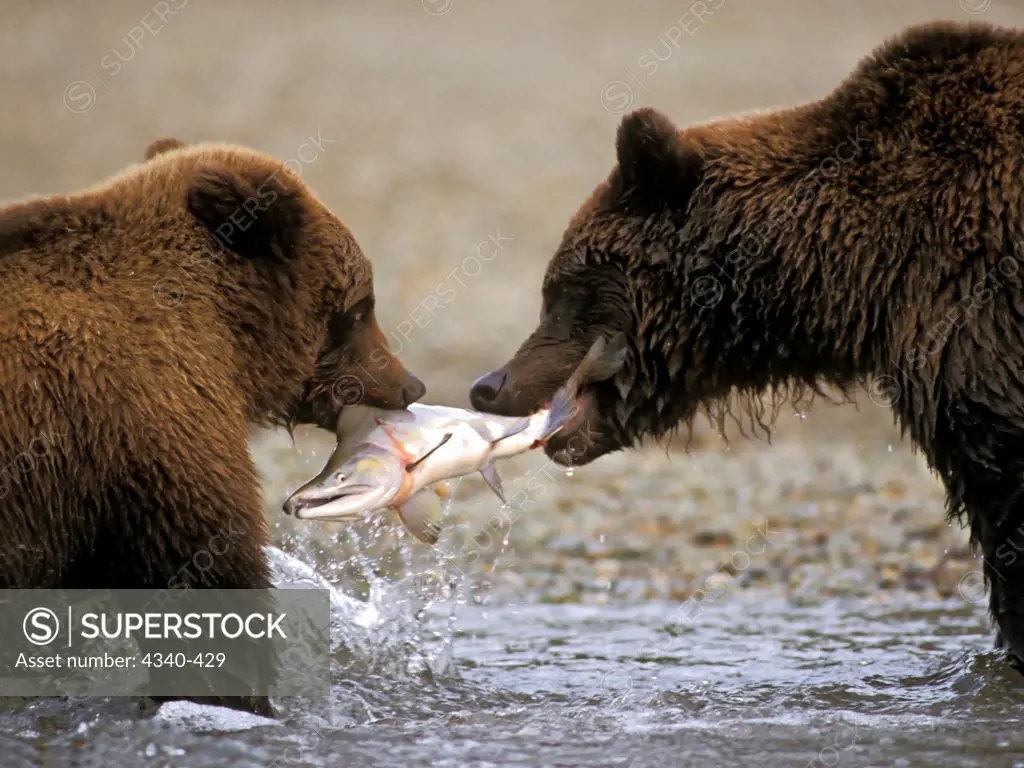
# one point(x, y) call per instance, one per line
point(580, 448)
point(317, 411)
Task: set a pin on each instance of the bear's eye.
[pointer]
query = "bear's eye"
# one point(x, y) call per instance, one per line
point(362, 310)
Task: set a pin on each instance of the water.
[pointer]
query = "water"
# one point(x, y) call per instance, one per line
point(847, 682)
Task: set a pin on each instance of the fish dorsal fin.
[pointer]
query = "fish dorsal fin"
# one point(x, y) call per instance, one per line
point(480, 426)
point(515, 429)
point(421, 515)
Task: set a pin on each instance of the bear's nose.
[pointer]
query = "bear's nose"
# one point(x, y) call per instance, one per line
point(488, 392)
point(412, 390)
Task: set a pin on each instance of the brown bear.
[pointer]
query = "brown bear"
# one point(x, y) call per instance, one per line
point(873, 236)
point(149, 319)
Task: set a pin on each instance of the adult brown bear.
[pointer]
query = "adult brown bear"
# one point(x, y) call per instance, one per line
point(147, 321)
point(874, 235)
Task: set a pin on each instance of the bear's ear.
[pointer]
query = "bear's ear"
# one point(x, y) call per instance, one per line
point(654, 158)
point(160, 146)
point(255, 217)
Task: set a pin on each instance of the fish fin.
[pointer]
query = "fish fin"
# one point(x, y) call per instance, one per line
point(413, 464)
point(515, 429)
point(421, 516)
point(481, 427)
point(493, 480)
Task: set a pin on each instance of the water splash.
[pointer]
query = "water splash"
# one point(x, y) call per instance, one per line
point(504, 545)
point(389, 595)
point(352, 620)
point(443, 662)
point(201, 718)
point(375, 635)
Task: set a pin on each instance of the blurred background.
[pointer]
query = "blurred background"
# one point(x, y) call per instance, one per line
point(436, 129)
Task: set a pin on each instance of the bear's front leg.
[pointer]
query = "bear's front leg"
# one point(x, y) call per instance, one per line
point(192, 528)
point(225, 560)
point(248, 664)
point(1004, 573)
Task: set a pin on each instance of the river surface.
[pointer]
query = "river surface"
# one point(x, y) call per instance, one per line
point(747, 681)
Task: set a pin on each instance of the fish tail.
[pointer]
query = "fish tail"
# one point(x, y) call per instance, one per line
point(563, 409)
point(604, 359)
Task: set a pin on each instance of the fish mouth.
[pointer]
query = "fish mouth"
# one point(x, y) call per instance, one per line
point(335, 501)
point(583, 438)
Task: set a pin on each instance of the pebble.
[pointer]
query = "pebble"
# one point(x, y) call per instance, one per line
point(713, 539)
point(574, 546)
point(561, 590)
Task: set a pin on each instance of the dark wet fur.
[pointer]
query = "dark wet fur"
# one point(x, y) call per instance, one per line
point(872, 236)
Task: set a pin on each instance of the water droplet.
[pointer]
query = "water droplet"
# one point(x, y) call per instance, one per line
point(568, 471)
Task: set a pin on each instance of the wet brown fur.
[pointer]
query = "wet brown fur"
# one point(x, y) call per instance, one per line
point(139, 336)
point(875, 236)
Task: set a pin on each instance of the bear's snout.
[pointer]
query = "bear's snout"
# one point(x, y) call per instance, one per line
point(412, 390)
point(492, 393)
point(401, 392)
